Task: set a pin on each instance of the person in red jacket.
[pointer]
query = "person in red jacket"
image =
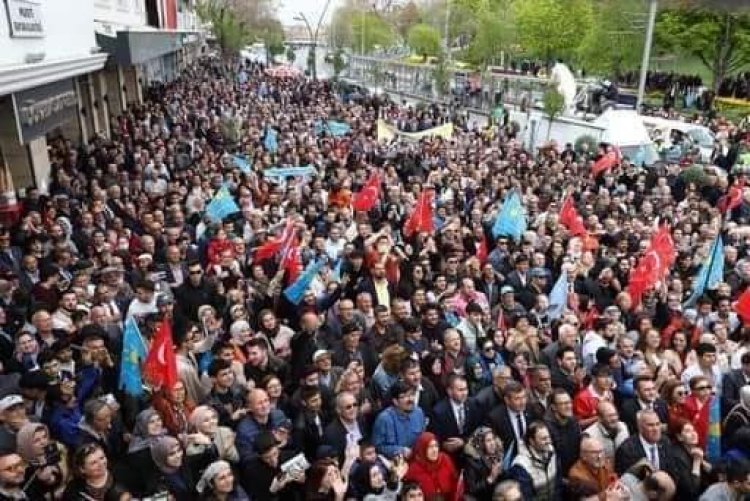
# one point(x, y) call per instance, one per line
point(587, 400)
point(432, 469)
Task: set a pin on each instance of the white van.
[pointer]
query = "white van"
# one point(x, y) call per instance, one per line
point(676, 133)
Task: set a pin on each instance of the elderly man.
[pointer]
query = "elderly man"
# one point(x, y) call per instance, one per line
point(648, 443)
point(593, 471)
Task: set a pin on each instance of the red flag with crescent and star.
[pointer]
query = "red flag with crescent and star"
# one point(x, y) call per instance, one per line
point(421, 218)
point(160, 367)
point(653, 265)
point(366, 198)
point(570, 218)
point(607, 161)
point(733, 198)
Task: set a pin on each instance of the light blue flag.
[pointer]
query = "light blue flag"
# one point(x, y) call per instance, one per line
point(336, 273)
point(336, 129)
point(558, 297)
point(271, 142)
point(295, 291)
point(284, 172)
point(221, 205)
point(710, 274)
point(511, 221)
point(242, 163)
point(713, 441)
point(133, 351)
point(639, 158)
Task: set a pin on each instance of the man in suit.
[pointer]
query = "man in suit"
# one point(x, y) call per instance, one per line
point(733, 381)
point(647, 444)
point(646, 397)
point(518, 277)
point(511, 420)
point(381, 290)
point(456, 417)
point(348, 427)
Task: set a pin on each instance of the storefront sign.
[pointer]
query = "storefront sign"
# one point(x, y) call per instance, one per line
point(25, 19)
point(41, 109)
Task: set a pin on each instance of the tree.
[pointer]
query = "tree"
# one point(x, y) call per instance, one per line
point(441, 75)
point(491, 40)
point(720, 39)
point(549, 29)
point(291, 55)
point(231, 33)
point(404, 17)
point(339, 63)
point(368, 31)
point(613, 44)
point(553, 103)
point(424, 40)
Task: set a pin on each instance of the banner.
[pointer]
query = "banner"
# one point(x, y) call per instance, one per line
point(284, 172)
point(242, 163)
point(387, 132)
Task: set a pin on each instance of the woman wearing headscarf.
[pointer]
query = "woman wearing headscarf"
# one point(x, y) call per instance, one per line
point(739, 415)
point(432, 469)
point(208, 438)
point(483, 468)
point(48, 468)
point(135, 468)
point(171, 474)
point(373, 485)
point(217, 484)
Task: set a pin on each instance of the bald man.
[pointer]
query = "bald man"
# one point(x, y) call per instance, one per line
point(608, 429)
point(260, 417)
point(592, 471)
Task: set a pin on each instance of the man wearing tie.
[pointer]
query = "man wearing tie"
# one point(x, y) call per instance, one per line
point(510, 420)
point(648, 443)
point(456, 417)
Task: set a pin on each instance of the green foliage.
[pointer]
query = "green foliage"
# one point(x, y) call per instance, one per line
point(441, 76)
point(338, 63)
point(695, 174)
point(291, 55)
point(554, 104)
point(552, 28)
point(720, 39)
point(612, 44)
point(424, 40)
point(369, 30)
point(404, 17)
point(231, 33)
point(588, 140)
point(492, 38)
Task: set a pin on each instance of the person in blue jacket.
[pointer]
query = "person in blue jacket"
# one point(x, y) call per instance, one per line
point(260, 417)
point(398, 426)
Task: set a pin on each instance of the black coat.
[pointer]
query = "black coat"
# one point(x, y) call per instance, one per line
point(566, 438)
point(335, 435)
point(631, 451)
point(499, 420)
point(631, 407)
point(444, 425)
point(730, 390)
point(688, 485)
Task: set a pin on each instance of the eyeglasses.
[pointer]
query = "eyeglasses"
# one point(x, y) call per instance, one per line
point(701, 388)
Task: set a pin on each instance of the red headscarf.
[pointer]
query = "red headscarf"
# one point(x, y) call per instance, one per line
point(437, 478)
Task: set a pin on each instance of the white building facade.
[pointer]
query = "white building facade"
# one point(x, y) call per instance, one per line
point(70, 67)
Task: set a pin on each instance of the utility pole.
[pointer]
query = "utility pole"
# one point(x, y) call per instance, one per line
point(446, 31)
point(646, 53)
point(314, 36)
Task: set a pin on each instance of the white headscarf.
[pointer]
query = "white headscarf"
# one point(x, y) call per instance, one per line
point(213, 469)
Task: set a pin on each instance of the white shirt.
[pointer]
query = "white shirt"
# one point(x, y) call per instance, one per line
point(458, 408)
point(647, 447)
point(514, 421)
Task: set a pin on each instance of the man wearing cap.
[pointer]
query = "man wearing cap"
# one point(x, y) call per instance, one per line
point(12, 418)
point(352, 349)
point(262, 477)
point(519, 276)
point(327, 373)
point(510, 307)
point(537, 285)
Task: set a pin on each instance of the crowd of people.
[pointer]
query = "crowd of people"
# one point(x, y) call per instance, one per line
point(414, 365)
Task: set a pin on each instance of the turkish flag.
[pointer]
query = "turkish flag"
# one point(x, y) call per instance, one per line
point(653, 265)
point(275, 246)
point(607, 161)
point(291, 261)
point(732, 199)
point(365, 199)
point(421, 218)
point(742, 307)
point(570, 218)
point(160, 367)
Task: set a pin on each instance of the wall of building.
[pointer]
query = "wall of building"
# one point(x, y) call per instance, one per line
point(68, 33)
point(120, 13)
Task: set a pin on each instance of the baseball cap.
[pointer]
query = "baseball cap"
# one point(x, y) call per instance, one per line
point(320, 354)
point(507, 289)
point(10, 401)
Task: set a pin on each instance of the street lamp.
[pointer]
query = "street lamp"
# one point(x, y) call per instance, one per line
point(646, 54)
point(313, 35)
